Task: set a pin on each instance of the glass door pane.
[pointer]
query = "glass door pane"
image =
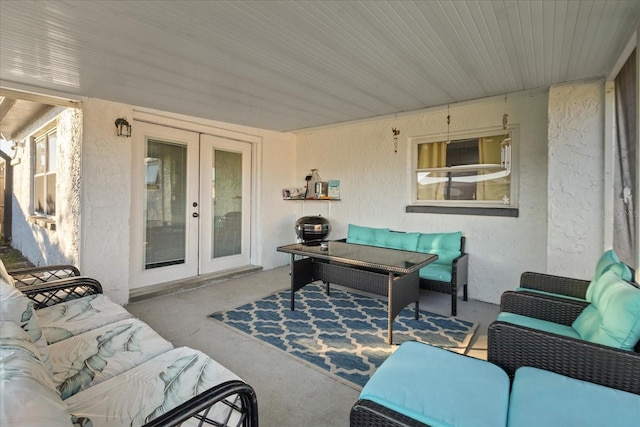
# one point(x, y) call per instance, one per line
point(165, 216)
point(225, 192)
point(226, 203)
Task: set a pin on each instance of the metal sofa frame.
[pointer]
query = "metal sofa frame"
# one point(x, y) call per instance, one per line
point(51, 292)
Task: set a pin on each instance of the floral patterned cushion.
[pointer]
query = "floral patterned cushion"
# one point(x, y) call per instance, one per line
point(94, 356)
point(29, 397)
point(74, 317)
point(4, 274)
point(151, 389)
point(16, 307)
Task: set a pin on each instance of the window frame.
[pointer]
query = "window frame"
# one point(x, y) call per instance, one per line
point(44, 134)
point(474, 207)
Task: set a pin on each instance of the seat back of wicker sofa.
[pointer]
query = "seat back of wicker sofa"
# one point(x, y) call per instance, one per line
point(446, 275)
point(449, 246)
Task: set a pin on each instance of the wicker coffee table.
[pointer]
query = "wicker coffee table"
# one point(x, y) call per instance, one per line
point(381, 271)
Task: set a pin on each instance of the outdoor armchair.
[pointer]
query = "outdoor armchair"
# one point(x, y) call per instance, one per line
point(546, 334)
point(548, 285)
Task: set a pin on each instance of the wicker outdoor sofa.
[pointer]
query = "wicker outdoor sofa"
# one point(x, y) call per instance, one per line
point(447, 274)
point(74, 358)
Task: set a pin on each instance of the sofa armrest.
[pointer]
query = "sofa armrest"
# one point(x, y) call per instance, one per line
point(552, 309)
point(199, 406)
point(58, 291)
point(512, 346)
point(34, 275)
point(576, 288)
point(460, 269)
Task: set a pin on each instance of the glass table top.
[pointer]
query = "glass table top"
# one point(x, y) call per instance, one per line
point(390, 260)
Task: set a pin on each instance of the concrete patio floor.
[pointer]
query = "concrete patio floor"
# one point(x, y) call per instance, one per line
point(290, 394)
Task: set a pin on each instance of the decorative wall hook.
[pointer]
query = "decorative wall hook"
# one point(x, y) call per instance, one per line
point(123, 128)
point(395, 132)
point(448, 125)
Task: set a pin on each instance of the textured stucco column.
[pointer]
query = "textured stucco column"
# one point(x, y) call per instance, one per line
point(106, 198)
point(575, 178)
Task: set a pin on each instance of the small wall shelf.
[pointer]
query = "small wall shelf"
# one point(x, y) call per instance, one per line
point(312, 200)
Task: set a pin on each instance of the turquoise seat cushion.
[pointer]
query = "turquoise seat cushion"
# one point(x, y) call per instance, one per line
point(397, 240)
point(543, 398)
point(364, 235)
point(541, 325)
point(613, 317)
point(436, 271)
point(445, 245)
point(440, 388)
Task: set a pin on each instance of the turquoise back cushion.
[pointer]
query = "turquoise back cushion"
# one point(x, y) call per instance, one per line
point(608, 261)
point(364, 235)
point(613, 318)
point(445, 245)
point(397, 240)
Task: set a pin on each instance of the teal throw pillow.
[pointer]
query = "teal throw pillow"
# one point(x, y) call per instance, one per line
point(609, 260)
point(596, 287)
point(614, 316)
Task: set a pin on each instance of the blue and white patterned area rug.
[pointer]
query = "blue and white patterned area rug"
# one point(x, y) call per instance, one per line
point(343, 334)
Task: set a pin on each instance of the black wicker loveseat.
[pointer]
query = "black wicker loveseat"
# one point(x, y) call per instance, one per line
point(132, 376)
point(448, 274)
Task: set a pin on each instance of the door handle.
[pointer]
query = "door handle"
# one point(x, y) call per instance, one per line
point(195, 215)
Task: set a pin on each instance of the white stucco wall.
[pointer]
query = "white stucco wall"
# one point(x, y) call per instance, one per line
point(106, 198)
point(41, 245)
point(576, 178)
point(374, 184)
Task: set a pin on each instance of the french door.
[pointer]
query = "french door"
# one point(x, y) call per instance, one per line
point(225, 193)
point(190, 204)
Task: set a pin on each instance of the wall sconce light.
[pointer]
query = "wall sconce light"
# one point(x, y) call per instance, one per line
point(123, 128)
